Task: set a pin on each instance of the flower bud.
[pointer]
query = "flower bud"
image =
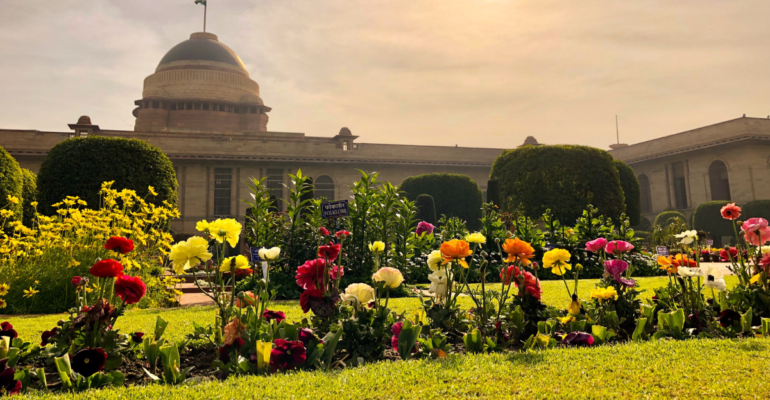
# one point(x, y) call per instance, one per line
point(508, 234)
point(262, 283)
point(579, 267)
point(497, 240)
point(484, 254)
point(739, 223)
point(60, 322)
point(241, 296)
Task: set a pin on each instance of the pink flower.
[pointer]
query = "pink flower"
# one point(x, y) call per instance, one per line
point(424, 227)
point(618, 247)
point(757, 237)
point(596, 244)
point(311, 273)
point(731, 212)
point(616, 268)
point(753, 224)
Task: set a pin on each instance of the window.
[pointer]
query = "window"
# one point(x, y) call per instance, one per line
point(324, 188)
point(155, 104)
point(223, 188)
point(344, 146)
point(680, 185)
point(644, 189)
point(275, 185)
point(206, 106)
point(720, 184)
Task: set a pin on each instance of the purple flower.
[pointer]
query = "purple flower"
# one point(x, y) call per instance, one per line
point(616, 268)
point(578, 339)
point(287, 354)
point(424, 227)
point(306, 336)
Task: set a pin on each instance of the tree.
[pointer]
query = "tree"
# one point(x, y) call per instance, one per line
point(11, 184)
point(454, 195)
point(29, 193)
point(631, 192)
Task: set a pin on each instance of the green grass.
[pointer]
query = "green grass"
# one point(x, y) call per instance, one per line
point(684, 370)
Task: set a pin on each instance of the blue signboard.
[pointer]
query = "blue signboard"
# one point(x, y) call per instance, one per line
point(255, 255)
point(334, 209)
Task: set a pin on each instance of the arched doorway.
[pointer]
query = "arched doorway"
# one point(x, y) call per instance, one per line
point(720, 183)
point(324, 187)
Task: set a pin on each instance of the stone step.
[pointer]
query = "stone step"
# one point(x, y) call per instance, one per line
point(189, 287)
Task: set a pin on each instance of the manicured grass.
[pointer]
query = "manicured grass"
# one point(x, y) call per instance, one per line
point(690, 369)
point(181, 319)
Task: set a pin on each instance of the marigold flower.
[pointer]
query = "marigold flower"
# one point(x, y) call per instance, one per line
point(456, 250)
point(391, 276)
point(518, 250)
point(557, 260)
point(476, 237)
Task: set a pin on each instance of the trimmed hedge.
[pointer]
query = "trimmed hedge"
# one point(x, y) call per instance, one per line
point(707, 217)
point(756, 209)
point(11, 184)
point(663, 217)
point(643, 225)
point(30, 196)
point(426, 208)
point(454, 195)
point(564, 179)
point(493, 192)
point(631, 192)
point(79, 166)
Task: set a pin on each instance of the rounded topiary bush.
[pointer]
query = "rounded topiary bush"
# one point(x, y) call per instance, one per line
point(11, 184)
point(631, 192)
point(643, 225)
point(29, 192)
point(756, 209)
point(663, 218)
point(426, 208)
point(454, 195)
point(707, 217)
point(564, 179)
point(79, 166)
point(493, 192)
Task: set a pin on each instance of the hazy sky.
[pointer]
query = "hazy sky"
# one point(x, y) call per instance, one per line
point(481, 73)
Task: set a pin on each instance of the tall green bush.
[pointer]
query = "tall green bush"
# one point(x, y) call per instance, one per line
point(454, 195)
point(79, 166)
point(631, 192)
point(30, 196)
point(564, 179)
point(427, 208)
point(707, 217)
point(493, 192)
point(663, 218)
point(11, 184)
point(756, 209)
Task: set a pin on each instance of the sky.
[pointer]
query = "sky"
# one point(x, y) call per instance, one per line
point(473, 73)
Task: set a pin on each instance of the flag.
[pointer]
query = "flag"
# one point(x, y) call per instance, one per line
point(200, 2)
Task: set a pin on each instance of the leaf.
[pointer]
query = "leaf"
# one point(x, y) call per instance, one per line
point(406, 339)
point(65, 370)
point(638, 334)
point(473, 342)
point(599, 333)
point(151, 375)
point(114, 360)
point(676, 320)
point(330, 345)
point(160, 327)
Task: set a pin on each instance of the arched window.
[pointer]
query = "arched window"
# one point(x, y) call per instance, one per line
point(324, 188)
point(720, 184)
point(644, 189)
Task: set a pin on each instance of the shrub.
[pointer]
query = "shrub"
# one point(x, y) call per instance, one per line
point(427, 208)
point(79, 166)
point(11, 183)
point(493, 192)
point(664, 218)
point(707, 217)
point(631, 192)
point(643, 225)
point(756, 208)
point(30, 196)
point(564, 179)
point(454, 195)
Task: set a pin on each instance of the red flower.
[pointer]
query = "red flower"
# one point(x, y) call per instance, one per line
point(304, 298)
point(120, 244)
point(287, 354)
point(311, 273)
point(130, 289)
point(531, 285)
point(724, 255)
point(306, 336)
point(323, 231)
point(76, 281)
point(731, 212)
point(6, 329)
point(270, 315)
point(510, 272)
point(342, 234)
point(8, 384)
point(48, 335)
point(330, 251)
point(106, 269)
point(137, 337)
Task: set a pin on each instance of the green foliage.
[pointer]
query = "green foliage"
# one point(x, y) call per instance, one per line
point(665, 218)
point(407, 338)
point(565, 179)
point(30, 196)
point(11, 184)
point(79, 166)
point(756, 209)
point(631, 192)
point(454, 195)
point(427, 208)
point(707, 217)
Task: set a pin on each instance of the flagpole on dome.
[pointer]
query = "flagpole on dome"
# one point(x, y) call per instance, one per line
point(205, 7)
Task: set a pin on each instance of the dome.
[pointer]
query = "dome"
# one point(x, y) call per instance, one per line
point(203, 47)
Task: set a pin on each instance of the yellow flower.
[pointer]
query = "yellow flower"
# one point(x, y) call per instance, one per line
point(574, 307)
point(202, 226)
point(82, 203)
point(3, 303)
point(358, 293)
point(557, 260)
point(6, 213)
point(33, 204)
point(475, 238)
point(569, 318)
point(152, 191)
point(604, 293)
point(391, 276)
point(434, 260)
point(31, 292)
point(188, 253)
point(73, 263)
point(226, 229)
point(239, 262)
point(4, 289)
point(13, 199)
point(377, 247)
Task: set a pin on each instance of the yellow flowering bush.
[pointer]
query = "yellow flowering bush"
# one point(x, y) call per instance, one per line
point(37, 263)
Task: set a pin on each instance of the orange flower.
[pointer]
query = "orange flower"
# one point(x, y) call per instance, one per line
point(684, 261)
point(518, 250)
point(233, 330)
point(666, 264)
point(455, 250)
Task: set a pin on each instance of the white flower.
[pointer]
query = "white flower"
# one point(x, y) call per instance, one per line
point(765, 249)
point(362, 293)
point(269, 254)
point(687, 236)
point(434, 260)
point(690, 272)
point(438, 284)
point(714, 277)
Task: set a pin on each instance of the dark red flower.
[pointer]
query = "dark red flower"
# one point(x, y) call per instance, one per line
point(311, 273)
point(396, 328)
point(531, 285)
point(137, 337)
point(304, 298)
point(323, 231)
point(107, 269)
point(243, 272)
point(130, 289)
point(89, 361)
point(725, 255)
point(224, 353)
point(342, 234)
point(728, 317)
point(578, 339)
point(287, 354)
point(270, 315)
point(329, 252)
point(8, 385)
point(306, 336)
point(6, 329)
point(119, 244)
point(46, 337)
point(238, 342)
point(76, 281)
